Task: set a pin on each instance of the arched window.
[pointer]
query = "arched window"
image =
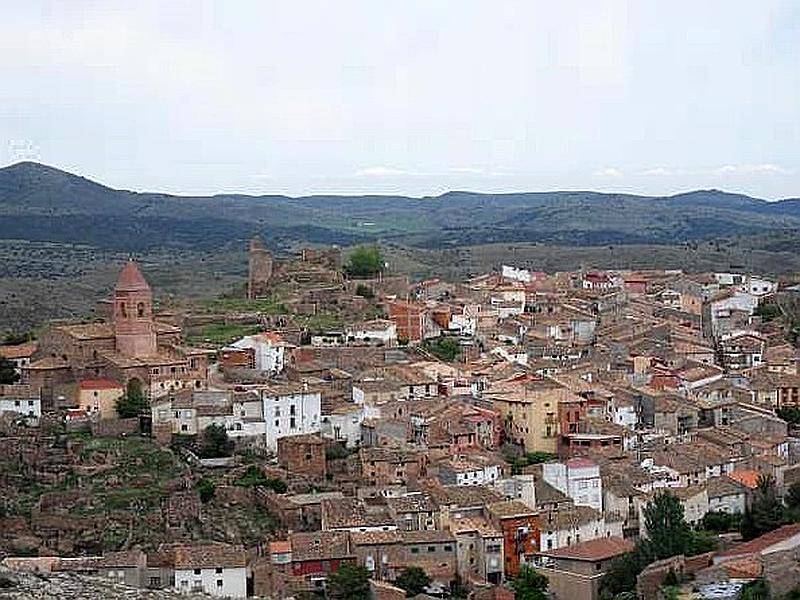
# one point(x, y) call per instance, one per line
point(140, 309)
point(122, 310)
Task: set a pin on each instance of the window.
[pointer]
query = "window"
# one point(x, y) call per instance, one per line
point(197, 571)
point(219, 583)
point(292, 409)
point(155, 582)
point(431, 548)
point(140, 309)
point(292, 423)
point(414, 550)
point(448, 548)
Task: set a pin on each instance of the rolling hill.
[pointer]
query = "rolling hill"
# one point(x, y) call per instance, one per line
point(43, 204)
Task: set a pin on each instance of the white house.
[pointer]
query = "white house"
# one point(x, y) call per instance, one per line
point(623, 412)
point(578, 478)
point(379, 332)
point(344, 424)
point(465, 323)
point(460, 471)
point(516, 274)
point(270, 350)
point(759, 287)
point(573, 525)
point(519, 487)
point(190, 412)
point(20, 399)
point(290, 409)
point(724, 307)
point(215, 569)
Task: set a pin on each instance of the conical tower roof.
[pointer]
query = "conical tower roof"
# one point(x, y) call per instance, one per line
point(131, 279)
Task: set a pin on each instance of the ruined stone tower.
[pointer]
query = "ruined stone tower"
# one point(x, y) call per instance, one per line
point(260, 269)
point(133, 314)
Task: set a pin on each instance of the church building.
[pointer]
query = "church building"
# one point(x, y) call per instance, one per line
point(133, 349)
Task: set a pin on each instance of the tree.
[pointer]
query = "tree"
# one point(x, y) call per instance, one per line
point(413, 580)
point(766, 512)
point(215, 442)
point(790, 414)
point(756, 590)
point(254, 477)
point(364, 291)
point(349, 582)
point(529, 585)
point(443, 348)
point(721, 522)
point(793, 497)
point(15, 339)
point(365, 261)
point(206, 489)
point(133, 403)
point(8, 371)
point(668, 534)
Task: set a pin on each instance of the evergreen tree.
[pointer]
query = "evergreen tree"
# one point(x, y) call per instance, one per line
point(8, 372)
point(793, 497)
point(766, 512)
point(668, 534)
point(349, 582)
point(529, 585)
point(215, 442)
point(133, 403)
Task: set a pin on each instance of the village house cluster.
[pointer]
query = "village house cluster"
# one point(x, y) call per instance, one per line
point(470, 429)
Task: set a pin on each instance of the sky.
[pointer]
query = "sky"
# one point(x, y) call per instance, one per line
point(415, 97)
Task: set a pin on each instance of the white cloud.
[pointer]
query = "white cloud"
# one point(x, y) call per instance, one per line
point(467, 170)
point(263, 176)
point(609, 172)
point(658, 171)
point(751, 169)
point(379, 172)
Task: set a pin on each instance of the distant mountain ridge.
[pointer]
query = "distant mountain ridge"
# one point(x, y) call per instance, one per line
point(42, 203)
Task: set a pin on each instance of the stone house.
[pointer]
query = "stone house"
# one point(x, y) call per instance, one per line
point(479, 551)
point(303, 455)
point(575, 572)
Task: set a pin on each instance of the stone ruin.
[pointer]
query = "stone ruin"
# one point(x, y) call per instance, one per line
point(260, 270)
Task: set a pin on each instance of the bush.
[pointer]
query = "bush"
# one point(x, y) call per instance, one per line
point(254, 477)
point(790, 414)
point(413, 580)
point(721, 522)
point(443, 348)
point(365, 261)
point(206, 489)
point(364, 291)
point(215, 443)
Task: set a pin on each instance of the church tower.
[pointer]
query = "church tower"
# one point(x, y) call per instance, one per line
point(133, 314)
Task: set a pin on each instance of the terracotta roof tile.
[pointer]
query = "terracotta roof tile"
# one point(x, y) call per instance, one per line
point(593, 550)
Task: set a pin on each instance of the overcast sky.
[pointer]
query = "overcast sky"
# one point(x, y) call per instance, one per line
point(417, 97)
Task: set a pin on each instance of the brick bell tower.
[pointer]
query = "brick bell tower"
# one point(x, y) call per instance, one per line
point(133, 314)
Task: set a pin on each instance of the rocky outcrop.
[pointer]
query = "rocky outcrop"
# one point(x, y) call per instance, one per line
point(16, 585)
